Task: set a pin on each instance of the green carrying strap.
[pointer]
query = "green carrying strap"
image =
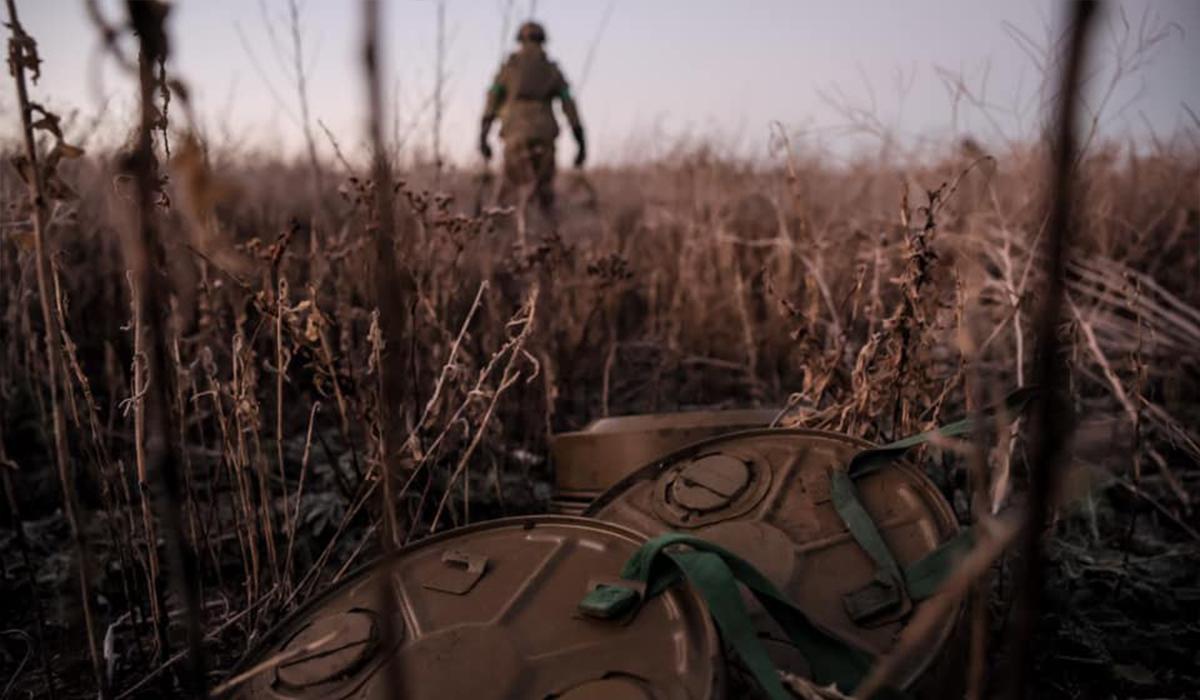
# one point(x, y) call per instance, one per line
point(873, 459)
point(886, 592)
point(925, 576)
point(890, 586)
point(714, 572)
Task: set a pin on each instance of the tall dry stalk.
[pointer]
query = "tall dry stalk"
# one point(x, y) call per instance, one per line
point(392, 285)
point(299, 75)
point(506, 16)
point(282, 358)
point(138, 375)
point(148, 17)
point(1051, 422)
point(590, 57)
point(22, 56)
point(514, 349)
point(391, 303)
point(279, 290)
point(439, 88)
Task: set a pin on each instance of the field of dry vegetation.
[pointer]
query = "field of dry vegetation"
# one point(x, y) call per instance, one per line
point(874, 298)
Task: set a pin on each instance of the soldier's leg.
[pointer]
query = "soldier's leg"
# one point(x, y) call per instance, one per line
point(499, 196)
point(545, 169)
point(509, 175)
point(520, 181)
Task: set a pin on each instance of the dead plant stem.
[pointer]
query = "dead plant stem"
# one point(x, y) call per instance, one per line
point(50, 321)
point(1050, 423)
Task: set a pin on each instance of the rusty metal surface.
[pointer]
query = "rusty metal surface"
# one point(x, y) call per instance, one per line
point(588, 461)
point(765, 495)
point(569, 504)
point(490, 611)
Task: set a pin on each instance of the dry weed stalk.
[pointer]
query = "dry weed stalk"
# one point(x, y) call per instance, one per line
point(514, 350)
point(23, 57)
point(392, 304)
point(1051, 418)
point(139, 375)
point(142, 249)
point(393, 286)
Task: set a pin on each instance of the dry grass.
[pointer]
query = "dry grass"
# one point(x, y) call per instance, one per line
point(876, 298)
point(860, 322)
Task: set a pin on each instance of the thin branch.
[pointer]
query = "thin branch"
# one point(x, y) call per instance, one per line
point(142, 244)
point(1051, 424)
point(391, 302)
point(22, 56)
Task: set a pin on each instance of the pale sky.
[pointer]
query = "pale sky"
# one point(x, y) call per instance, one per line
point(718, 69)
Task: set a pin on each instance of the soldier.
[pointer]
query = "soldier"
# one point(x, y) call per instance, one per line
point(522, 95)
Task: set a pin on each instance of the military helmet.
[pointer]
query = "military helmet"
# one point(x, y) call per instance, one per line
point(531, 31)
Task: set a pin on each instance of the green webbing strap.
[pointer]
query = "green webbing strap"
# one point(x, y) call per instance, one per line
point(925, 576)
point(890, 587)
point(874, 459)
point(714, 580)
point(714, 572)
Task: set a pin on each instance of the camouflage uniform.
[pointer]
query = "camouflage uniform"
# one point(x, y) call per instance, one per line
point(522, 95)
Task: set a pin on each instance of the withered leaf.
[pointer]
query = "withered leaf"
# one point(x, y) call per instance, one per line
point(49, 121)
point(66, 150)
point(179, 88)
point(23, 54)
point(23, 168)
point(57, 189)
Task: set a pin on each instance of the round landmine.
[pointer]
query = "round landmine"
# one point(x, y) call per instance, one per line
point(491, 611)
point(589, 461)
point(765, 495)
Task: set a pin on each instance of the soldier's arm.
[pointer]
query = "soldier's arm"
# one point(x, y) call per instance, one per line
point(571, 112)
point(495, 98)
point(491, 107)
point(570, 109)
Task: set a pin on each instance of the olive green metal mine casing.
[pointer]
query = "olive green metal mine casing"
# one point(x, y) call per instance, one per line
point(765, 495)
point(589, 461)
point(491, 611)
